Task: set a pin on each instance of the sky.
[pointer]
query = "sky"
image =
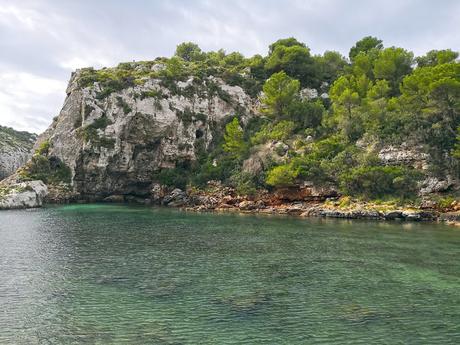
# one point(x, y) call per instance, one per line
point(43, 41)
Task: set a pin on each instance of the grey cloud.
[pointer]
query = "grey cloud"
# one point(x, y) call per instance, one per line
point(46, 39)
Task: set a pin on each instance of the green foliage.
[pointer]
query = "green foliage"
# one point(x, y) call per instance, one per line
point(90, 133)
point(295, 60)
point(279, 92)
point(157, 94)
point(445, 202)
point(43, 148)
point(378, 98)
point(437, 57)
point(189, 52)
point(432, 94)
point(285, 42)
point(175, 177)
point(109, 79)
point(380, 181)
point(456, 151)
point(306, 114)
point(392, 64)
point(330, 66)
point(281, 131)
point(234, 142)
point(365, 45)
point(13, 138)
point(282, 176)
point(244, 183)
point(49, 169)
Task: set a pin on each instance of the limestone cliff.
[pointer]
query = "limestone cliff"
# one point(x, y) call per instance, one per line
point(15, 150)
point(114, 142)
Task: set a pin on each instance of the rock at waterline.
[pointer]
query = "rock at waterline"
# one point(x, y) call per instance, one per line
point(22, 195)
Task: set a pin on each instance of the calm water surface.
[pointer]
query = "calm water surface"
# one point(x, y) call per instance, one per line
point(105, 274)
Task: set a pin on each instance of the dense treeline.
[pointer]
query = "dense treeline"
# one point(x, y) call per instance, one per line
point(374, 98)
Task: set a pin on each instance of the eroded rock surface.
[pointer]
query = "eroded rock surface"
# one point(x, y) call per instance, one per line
point(22, 195)
point(114, 144)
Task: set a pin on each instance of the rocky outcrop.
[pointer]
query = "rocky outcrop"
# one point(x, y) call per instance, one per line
point(22, 195)
point(263, 156)
point(114, 143)
point(433, 184)
point(306, 192)
point(404, 155)
point(15, 150)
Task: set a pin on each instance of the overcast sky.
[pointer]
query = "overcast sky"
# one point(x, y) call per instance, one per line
point(42, 41)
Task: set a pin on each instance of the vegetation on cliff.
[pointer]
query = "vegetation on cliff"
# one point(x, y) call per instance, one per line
point(379, 97)
point(321, 119)
point(49, 169)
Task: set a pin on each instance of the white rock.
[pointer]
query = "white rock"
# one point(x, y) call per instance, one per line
point(24, 195)
point(308, 93)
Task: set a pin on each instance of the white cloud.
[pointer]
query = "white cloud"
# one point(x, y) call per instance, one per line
point(12, 16)
point(26, 100)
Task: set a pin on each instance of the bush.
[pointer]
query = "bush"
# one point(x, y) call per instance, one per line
point(244, 183)
point(90, 133)
point(380, 181)
point(174, 177)
point(43, 148)
point(51, 170)
point(281, 131)
point(281, 176)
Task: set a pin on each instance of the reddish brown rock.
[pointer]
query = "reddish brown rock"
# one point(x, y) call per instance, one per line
point(305, 193)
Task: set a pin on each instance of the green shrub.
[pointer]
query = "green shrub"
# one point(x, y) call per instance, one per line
point(51, 170)
point(281, 131)
point(43, 148)
point(174, 177)
point(282, 176)
point(244, 183)
point(157, 94)
point(380, 181)
point(121, 103)
point(445, 202)
point(90, 133)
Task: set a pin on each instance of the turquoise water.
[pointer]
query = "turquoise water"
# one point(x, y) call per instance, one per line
point(107, 274)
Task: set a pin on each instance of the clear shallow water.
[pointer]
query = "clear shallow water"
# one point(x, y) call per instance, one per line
point(105, 274)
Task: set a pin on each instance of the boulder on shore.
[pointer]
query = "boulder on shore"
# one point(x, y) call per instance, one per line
point(22, 195)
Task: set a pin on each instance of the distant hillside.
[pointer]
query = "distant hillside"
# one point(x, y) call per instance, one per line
point(15, 149)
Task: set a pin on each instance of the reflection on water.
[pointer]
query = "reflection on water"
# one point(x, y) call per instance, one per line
point(106, 274)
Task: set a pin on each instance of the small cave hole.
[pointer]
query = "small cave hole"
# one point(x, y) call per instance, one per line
point(199, 133)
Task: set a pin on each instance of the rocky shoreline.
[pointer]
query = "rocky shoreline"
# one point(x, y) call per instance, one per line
point(225, 199)
point(217, 198)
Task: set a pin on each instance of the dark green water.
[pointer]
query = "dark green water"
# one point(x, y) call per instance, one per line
point(101, 274)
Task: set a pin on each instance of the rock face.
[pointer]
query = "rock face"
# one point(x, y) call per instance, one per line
point(307, 192)
point(22, 195)
point(114, 144)
point(15, 150)
point(434, 184)
point(264, 155)
point(403, 155)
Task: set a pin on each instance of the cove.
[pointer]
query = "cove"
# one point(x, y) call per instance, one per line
point(116, 274)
